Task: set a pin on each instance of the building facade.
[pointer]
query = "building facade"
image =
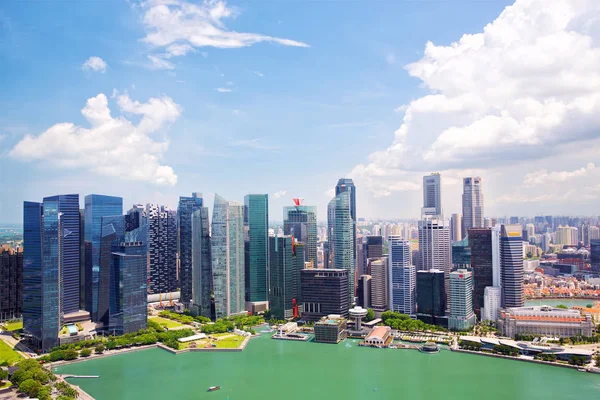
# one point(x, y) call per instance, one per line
point(185, 210)
point(281, 293)
point(402, 276)
point(324, 292)
point(432, 195)
point(472, 204)
point(162, 249)
point(301, 222)
point(379, 270)
point(11, 283)
point(595, 254)
point(346, 185)
point(202, 279)
point(256, 226)
point(340, 233)
point(492, 300)
point(431, 297)
point(544, 321)
point(511, 266)
point(461, 315)
point(456, 228)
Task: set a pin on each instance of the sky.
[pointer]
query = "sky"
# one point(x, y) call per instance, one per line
point(150, 100)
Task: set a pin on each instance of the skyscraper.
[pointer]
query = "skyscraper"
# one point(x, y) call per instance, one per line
point(11, 282)
point(492, 299)
point(403, 278)
point(347, 185)
point(472, 204)
point(324, 292)
point(281, 292)
point(256, 223)
point(431, 297)
point(461, 300)
point(455, 228)
point(595, 254)
point(187, 207)
point(341, 238)
point(162, 248)
point(373, 248)
point(379, 270)
point(201, 263)
point(434, 247)
point(485, 260)
point(228, 257)
point(301, 222)
point(511, 266)
point(432, 194)
point(96, 207)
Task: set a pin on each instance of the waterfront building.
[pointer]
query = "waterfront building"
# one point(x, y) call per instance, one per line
point(432, 195)
point(357, 314)
point(472, 204)
point(346, 185)
point(461, 315)
point(544, 321)
point(256, 228)
point(324, 292)
point(228, 257)
point(402, 276)
point(202, 280)
point(162, 248)
point(330, 329)
point(511, 266)
point(456, 228)
point(380, 336)
point(363, 291)
point(595, 254)
point(96, 280)
point(492, 300)
point(300, 221)
point(431, 297)
point(378, 268)
point(340, 233)
point(185, 210)
point(11, 283)
point(461, 254)
point(281, 289)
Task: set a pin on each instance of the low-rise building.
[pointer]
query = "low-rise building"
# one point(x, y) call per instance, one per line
point(544, 321)
point(380, 336)
point(330, 329)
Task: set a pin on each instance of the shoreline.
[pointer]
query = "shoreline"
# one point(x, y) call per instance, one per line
point(563, 298)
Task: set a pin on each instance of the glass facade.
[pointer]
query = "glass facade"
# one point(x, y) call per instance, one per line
point(11, 283)
point(511, 266)
point(52, 300)
point(256, 220)
point(281, 277)
point(324, 292)
point(32, 269)
point(340, 234)
point(461, 253)
point(162, 249)
point(187, 206)
point(346, 185)
point(482, 264)
point(301, 222)
point(431, 297)
point(112, 232)
point(201, 263)
point(96, 207)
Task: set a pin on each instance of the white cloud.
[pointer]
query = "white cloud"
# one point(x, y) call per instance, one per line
point(521, 90)
point(254, 143)
point(94, 64)
point(229, 83)
point(543, 177)
point(258, 73)
point(112, 146)
point(279, 194)
point(390, 58)
point(223, 90)
point(179, 27)
point(158, 62)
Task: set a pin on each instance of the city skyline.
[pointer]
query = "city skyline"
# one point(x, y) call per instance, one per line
point(191, 105)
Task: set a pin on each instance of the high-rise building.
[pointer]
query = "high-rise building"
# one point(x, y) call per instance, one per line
point(435, 248)
point(461, 315)
point(256, 225)
point(97, 207)
point(202, 280)
point(432, 195)
point(402, 276)
point(472, 204)
point(11, 282)
point(363, 291)
point(185, 210)
point(281, 277)
point(595, 254)
point(511, 266)
point(492, 299)
point(378, 268)
point(431, 297)
point(485, 247)
point(82, 258)
point(228, 257)
point(301, 222)
point(461, 254)
point(566, 235)
point(373, 248)
point(340, 228)
point(298, 264)
point(456, 228)
point(346, 185)
point(324, 292)
point(162, 248)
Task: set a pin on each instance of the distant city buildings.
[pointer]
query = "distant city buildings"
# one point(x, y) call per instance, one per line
point(432, 195)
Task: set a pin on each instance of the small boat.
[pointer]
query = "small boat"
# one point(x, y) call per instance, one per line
point(582, 370)
point(213, 388)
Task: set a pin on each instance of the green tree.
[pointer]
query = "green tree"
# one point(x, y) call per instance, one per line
point(3, 374)
point(100, 349)
point(30, 387)
point(44, 393)
point(562, 306)
point(370, 315)
point(20, 376)
point(589, 306)
point(85, 353)
point(41, 376)
point(71, 355)
point(267, 315)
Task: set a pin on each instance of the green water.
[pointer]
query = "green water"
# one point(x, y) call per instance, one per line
point(555, 302)
point(273, 369)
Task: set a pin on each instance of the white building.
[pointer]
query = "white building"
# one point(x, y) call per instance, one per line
point(379, 283)
point(432, 195)
point(472, 204)
point(492, 298)
point(461, 300)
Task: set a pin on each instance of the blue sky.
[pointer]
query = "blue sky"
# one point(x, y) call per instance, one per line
point(311, 92)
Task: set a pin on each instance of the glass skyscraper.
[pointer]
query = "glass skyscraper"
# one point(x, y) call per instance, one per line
point(511, 266)
point(281, 277)
point(112, 234)
point(301, 222)
point(256, 220)
point(201, 263)
point(403, 279)
point(162, 248)
point(187, 206)
point(228, 257)
point(347, 185)
point(340, 233)
point(96, 207)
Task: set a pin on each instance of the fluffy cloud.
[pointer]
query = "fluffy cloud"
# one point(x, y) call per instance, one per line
point(543, 177)
point(112, 146)
point(522, 89)
point(223, 90)
point(94, 64)
point(179, 27)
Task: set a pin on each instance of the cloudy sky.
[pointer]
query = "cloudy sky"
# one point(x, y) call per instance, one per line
point(155, 99)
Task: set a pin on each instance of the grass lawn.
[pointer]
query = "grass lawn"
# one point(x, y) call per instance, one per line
point(8, 354)
point(169, 323)
point(14, 326)
point(230, 343)
point(5, 384)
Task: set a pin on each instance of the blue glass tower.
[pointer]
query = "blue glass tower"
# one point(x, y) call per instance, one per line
point(347, 185)
point(201, 263)
point(340, 228)
point(96, 207)
point(256, 220)
point(187, 206)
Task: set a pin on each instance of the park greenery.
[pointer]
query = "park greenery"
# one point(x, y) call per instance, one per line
point(473, 346)
point(562, 306)
point(546, 357)
point(589, 305)
point(36, 382)
point(8, 355)
point(370, 315)
point(404, 322)
point(505, 350)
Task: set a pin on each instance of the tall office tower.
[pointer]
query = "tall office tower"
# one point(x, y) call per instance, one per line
point(256, 224)
point(162, 249)
point(202, 279)
point(595, 254)
point(11, 282)
point(432, 195)
point(378, 268)
point(346, 185)
point(97, 207)
point(326, 254)
point(228, 257)
point(363, 291)
point(488, 223)
point(340, 228)
point(530, 228)
point(434, 247)
point(511, 266)
point(82, 254)
point(185, 210)
point(455, 228)
point(373, 248)
point(360, 257)
point(472, 204)
point(485, 260)
point(324, 292)
point(298, 264)
point(301, 222)
point(402, 276)
point(431, 297)
point(461, 254)
point(136, 217)
point(461, 300)
point(492, 299)
point(281, 277)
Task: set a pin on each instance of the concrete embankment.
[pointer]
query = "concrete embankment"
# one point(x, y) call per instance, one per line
point(481, 353)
